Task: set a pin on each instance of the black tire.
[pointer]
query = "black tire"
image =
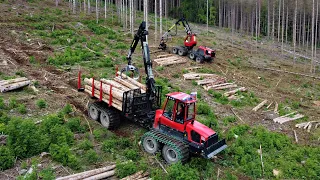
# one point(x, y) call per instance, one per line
point(174, 155)
point(199, 59)
point(175, 50)
point(109, 118)
point(93, 112)
point(181, 52)
point(192, 56)
point(150, 145)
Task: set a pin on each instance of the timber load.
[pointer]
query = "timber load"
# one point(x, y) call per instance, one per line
point(112, 91)
point(12, 84)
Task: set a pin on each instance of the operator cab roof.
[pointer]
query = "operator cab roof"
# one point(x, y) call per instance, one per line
point(186, 98)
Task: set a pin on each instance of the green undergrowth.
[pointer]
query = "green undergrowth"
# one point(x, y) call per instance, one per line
point(278, 151)
point(243, 99)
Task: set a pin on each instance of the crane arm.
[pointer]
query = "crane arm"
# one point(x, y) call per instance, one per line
point(186, 26)
point(141, 36)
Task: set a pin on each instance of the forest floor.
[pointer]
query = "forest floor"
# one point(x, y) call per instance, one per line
point(32, 34)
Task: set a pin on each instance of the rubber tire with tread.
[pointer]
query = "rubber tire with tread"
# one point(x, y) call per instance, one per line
point(109, 118)
point(93, 112)
point(199, 60)
point(192, 56)
point(183, 149)
point(149, 149)
point(180, 52)
point(175, 50)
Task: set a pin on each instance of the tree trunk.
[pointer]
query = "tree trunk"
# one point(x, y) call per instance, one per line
point(304, 27)
point(97, 11)
point(283, 22)
point(89, 10)
point(287, 24)
point(160, 14)
point(155, 22)
point(268, 24)
point(207, 16)
point(273, 13)
point(316, 34)
point(295, 31)
point(312, 39)
point(220, 14)
point(279, 21)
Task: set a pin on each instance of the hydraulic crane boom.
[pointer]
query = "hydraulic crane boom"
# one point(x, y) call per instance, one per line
point(164, 37)
point(141, 36)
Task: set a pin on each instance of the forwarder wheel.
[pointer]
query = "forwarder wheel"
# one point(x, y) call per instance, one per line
point(109, 119)
point(199, 60)
point(175, 50)
point(180, 52)
point(93, 112)
point(150, 145)
point(170, 154)
point(192, 56)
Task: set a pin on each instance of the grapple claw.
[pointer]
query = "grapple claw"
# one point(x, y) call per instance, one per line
point(131, 71)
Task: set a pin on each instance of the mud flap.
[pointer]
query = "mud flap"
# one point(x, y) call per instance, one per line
point(215, 149)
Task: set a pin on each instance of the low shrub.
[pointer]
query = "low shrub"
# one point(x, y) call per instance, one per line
point(22, 109)
point(182, 172)
point(86, 145)
point(47, 174)
point(6, 158)
point(91, 156)
point(13, 103)
point(203, 108)
point(74, 124)
point(131, 154)
point(41, 103)
point(126, 169)
point(25, 140)
point(63, 155)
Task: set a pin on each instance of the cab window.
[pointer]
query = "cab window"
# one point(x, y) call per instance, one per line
point(180, 113)
point(190, 111)
point(169, 109)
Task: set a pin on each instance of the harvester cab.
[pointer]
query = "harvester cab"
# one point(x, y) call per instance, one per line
point(178, 119)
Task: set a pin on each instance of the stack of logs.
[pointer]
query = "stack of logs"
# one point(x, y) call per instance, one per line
point(308, 125)
point(8, 85)
point(103, 173)
point(168, 59)
point(214, 82)
point(115, 88)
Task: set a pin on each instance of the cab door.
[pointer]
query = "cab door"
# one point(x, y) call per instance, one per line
point(169, 117)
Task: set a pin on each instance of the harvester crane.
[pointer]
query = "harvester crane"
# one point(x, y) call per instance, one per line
point(200, 55)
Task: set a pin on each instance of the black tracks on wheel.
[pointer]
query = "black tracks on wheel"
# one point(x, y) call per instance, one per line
point(179, 146)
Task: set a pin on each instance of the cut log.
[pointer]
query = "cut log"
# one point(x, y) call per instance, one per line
point(105, 98)
point(208, 81)
point(282, 120)
point(178, 61)
point(104, 95)
point(105, 88)
point(142, 86)
point(276, 108)
point(164, 55)
point(166, 59)
point(226, 87)
point(12, 81)
point(193, 68)
point(86, 174)
point(242, 89)
point(295, 136)
point(115, 84)
point(14, 86)
point(259, 106)
point(194, 76)
point(126, 83)
point(102, 175)
point(269, 105)
point(133, 176)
